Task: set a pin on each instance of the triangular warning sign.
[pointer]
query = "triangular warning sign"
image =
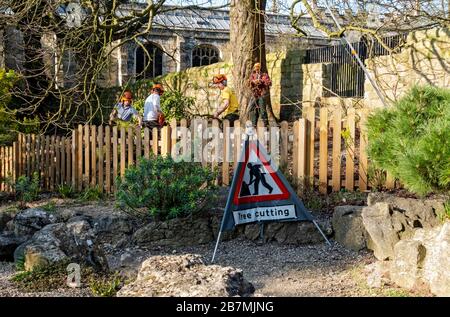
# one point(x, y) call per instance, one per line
point(260, 193)
point(257, 180)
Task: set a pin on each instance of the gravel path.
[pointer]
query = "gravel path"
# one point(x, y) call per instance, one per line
point(288, 270)
point(274, 269)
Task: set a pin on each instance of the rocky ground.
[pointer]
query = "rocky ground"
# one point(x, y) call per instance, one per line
point(274, 268)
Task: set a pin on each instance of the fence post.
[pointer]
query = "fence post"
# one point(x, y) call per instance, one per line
point(115, 157)
point(146, 143)
point(310, 115)
point(237, 143)
point(101, 161)
point(363, 160)
point(155, 141)
point(284, 143)
point(108, 158)
point(226, 153)
point(138, 134)
point(301, 151)
point(80, 157)
point(350, 155)
point(93, 155)
point(165, 141)
point(323, 158)
point(216, 144)
point(336, 176)
point(15, 161)
point(130, 142)
point(123, 151)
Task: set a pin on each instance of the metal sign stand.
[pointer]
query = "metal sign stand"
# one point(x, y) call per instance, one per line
point(296, 201)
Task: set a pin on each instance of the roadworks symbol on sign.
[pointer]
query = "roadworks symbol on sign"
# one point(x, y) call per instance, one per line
point(257, 180)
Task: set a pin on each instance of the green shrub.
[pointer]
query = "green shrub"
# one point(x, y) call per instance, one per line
point(176, 105)
point(27, 190)
point(412, 140)
point(66, 191)
point(165, 188)
point(91, 194)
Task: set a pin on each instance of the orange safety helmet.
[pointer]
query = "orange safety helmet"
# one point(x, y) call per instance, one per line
point(217, 79)
point(127, 96)
point(158, 87)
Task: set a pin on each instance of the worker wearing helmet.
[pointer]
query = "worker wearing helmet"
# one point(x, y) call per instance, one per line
point(124, 112)
point(260, 84)
point(229, 103)
point(153, 116)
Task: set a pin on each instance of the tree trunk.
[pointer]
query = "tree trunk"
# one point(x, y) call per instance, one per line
point(247, 38)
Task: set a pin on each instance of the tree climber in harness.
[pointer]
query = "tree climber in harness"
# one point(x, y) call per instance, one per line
point(260, 84)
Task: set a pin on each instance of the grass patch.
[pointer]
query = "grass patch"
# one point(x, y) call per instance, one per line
point(49, 207)
point(91, 194)
point(445, 215)
point(54, 276)
point(66, 191)
point(106, 286)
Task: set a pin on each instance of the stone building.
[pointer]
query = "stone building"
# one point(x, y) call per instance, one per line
point(178, 40)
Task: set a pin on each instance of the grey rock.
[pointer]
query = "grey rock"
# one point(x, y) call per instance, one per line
point(348, 227)
point(378, 274)
point(437, 259)
point(113, 228)
point(415, 213)
point(382, 228)
point(389, 219)
point(27, 222)
point(175, 232)
point(252, 231)
point(45, 247)
point(113, 222)
point(298, 233)
point(66, 214)
point(58, 242)
point(8, 244)
point(5, 217)
point(406, 266)
point(186, 275)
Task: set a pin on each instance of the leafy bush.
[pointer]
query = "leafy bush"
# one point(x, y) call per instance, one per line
point(91, 194)
point(27, 190)
point(66, 191)
point(165, 188)
point(176, 105)
point(412, 140)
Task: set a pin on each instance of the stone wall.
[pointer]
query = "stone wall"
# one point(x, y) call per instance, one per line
point(284, 70)
point(424, 61)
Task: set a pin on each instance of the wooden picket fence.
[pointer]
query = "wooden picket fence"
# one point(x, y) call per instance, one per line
point(312, 149)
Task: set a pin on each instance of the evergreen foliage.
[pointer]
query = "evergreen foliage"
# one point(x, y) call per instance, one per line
point(412, 140)
point(165, 188)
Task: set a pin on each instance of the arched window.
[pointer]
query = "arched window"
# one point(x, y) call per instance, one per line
point(149, 63)
point(205, 55)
